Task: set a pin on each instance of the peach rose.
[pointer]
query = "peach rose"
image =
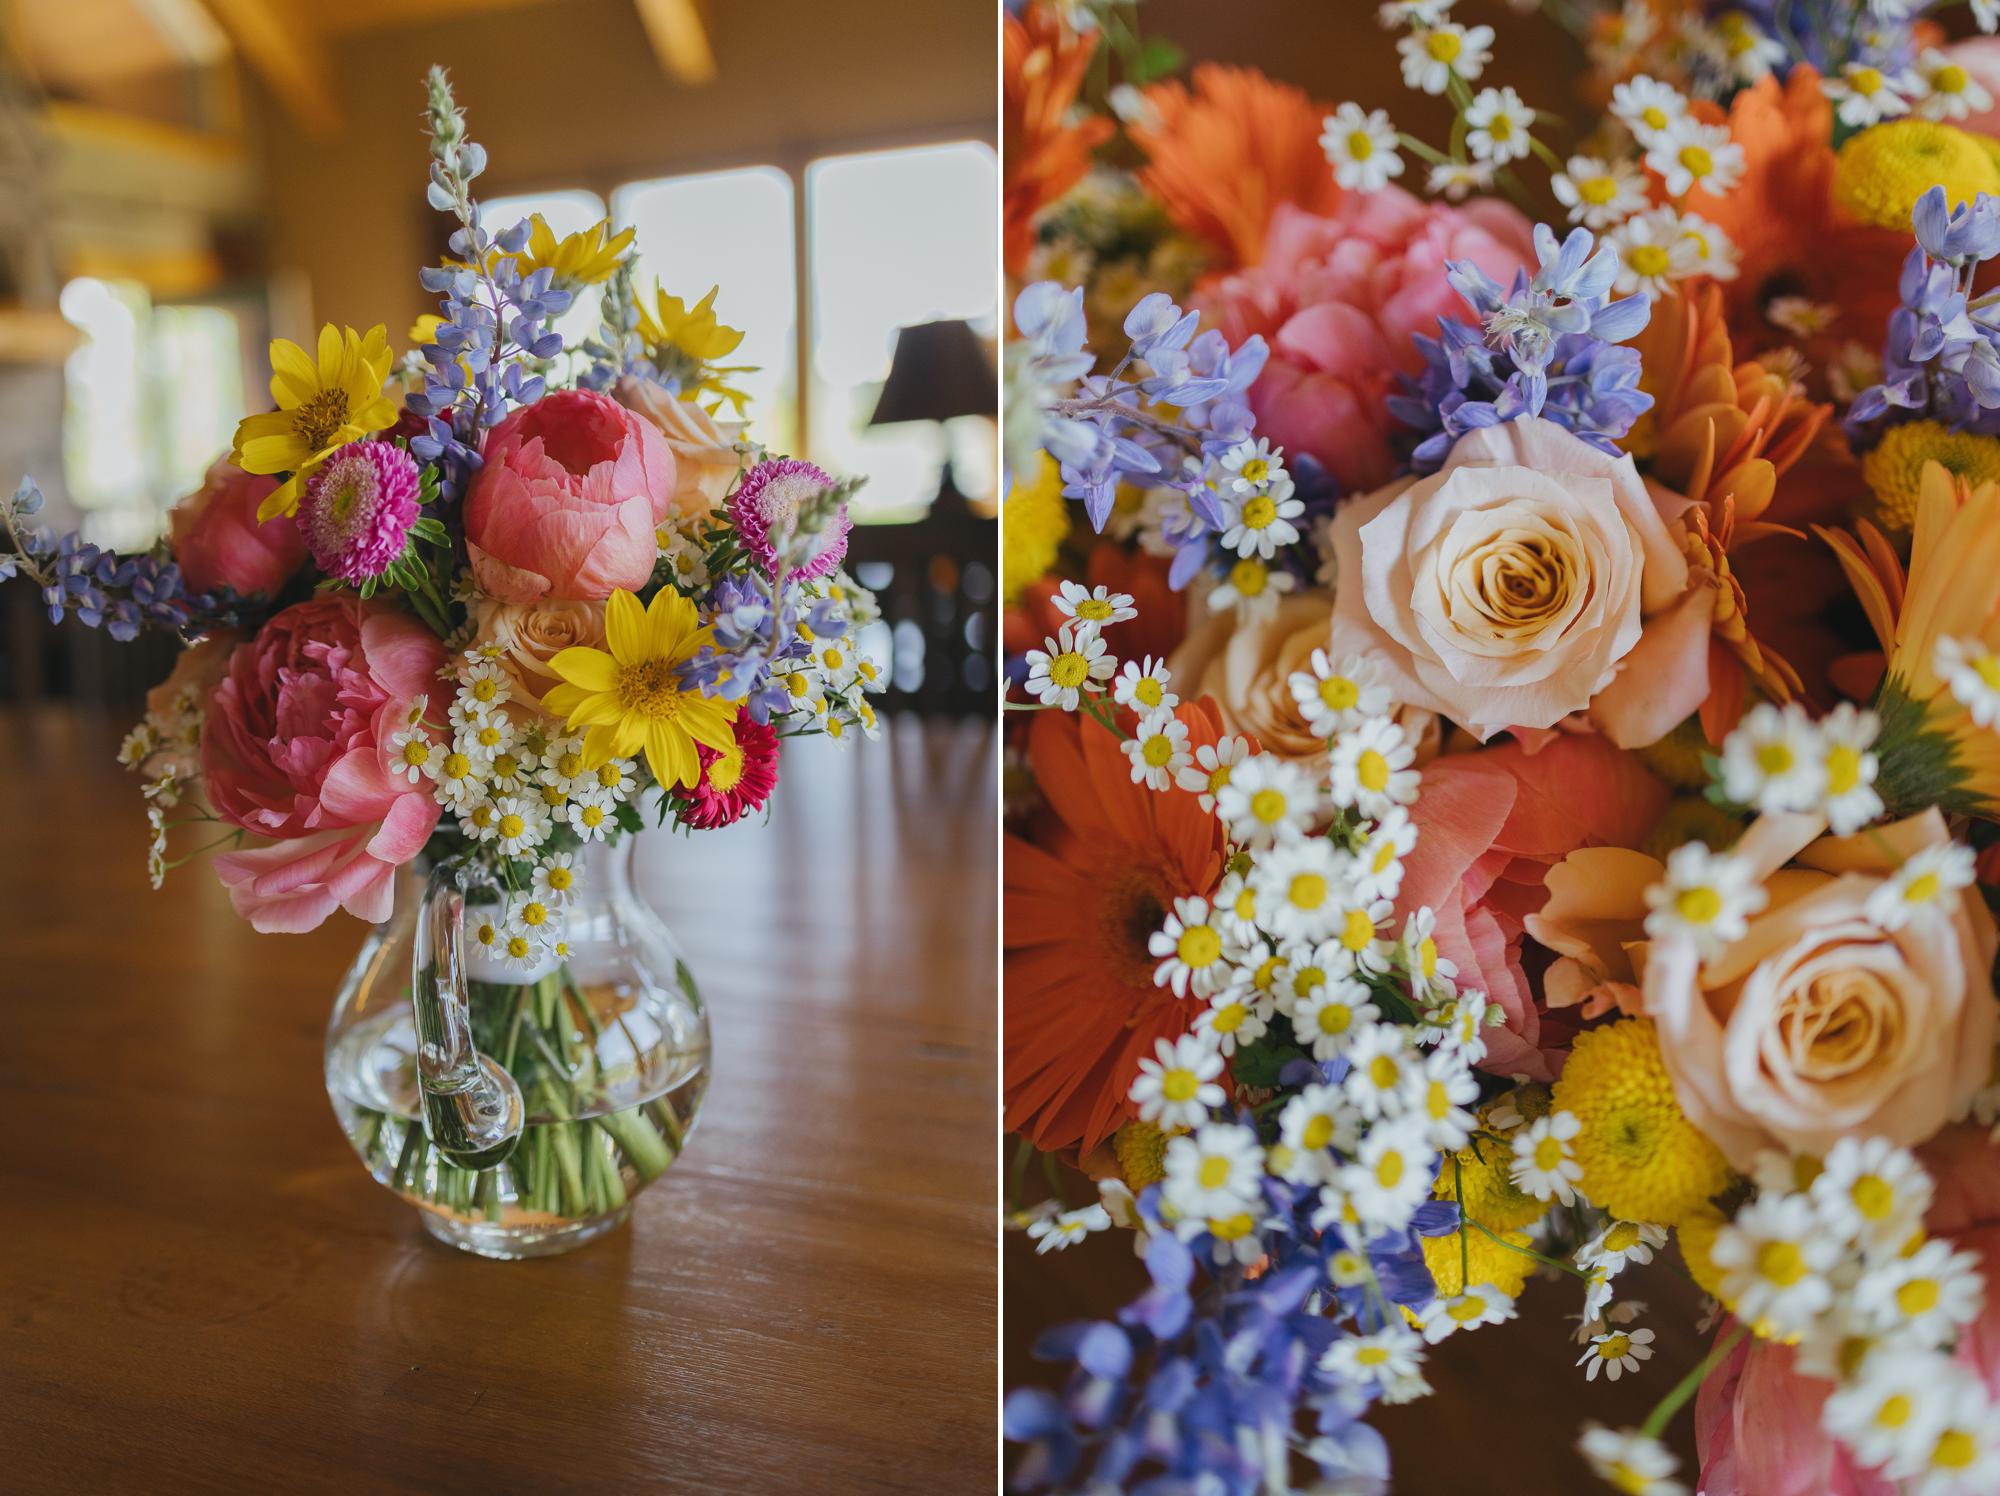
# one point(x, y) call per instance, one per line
point(1818, 1024)
point(1247, 668)
point(709, 455)
point(1509, 588)
point(529, 635)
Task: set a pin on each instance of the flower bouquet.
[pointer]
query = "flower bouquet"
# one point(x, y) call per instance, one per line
point(459, 623)
point(1504, 732)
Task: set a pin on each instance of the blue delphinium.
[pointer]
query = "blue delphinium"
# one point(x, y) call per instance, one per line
point(1548, 346)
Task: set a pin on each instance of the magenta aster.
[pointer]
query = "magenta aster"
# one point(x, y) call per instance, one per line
point(763, 506)
point(357, 509)
point(735, 782)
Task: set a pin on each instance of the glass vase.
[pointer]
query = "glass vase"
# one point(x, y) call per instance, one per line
point(519, 1110)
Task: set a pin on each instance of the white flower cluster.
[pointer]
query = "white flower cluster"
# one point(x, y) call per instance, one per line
point(1781, 759)
point(1842, 1267)
point(830, 685)
point(165, 746)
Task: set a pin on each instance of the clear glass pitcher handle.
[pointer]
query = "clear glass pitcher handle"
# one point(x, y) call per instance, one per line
point(472, 1108)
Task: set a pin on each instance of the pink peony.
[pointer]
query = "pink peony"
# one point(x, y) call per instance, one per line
point(572, 491)
point(765, 508)
point(357, 509)
point(217, 541)
point(1489, 825)
point(296, 749)
point(1339, 299)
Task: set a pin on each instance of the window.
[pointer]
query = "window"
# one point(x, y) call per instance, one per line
point(566, 212)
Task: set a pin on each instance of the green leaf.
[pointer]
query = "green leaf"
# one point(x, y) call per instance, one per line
point(628, 817)
point(432, 530)
point(1156, 58)
point(1258, 1063)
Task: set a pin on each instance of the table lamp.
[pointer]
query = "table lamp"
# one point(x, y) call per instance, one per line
point(939, 372)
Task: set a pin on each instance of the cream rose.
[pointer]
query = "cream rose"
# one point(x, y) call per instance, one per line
point(1818, 1024)
point(708, 454)
point(1247, 668)
point(527, 636)
point(1508, 589)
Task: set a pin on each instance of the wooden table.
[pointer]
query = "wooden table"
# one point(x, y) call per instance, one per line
point(200, 1289)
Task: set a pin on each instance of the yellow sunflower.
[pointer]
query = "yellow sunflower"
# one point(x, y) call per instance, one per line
point(322, 404)
point(631, 696)
point(683, 342)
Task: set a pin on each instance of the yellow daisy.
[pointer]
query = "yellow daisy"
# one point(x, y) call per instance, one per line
point(631, 696)
point(586, 258)
point(322, 404)
point(683, 342)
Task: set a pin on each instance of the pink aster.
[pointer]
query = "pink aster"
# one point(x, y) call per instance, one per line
point(358, 508)
point(734, 783)
point(764, 507)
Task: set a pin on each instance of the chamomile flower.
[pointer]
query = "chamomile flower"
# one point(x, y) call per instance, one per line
point(1455, 181)
point(521, 824)
point(483, 739)
point(1370, 768)
point(1262, 524)
point(1774, 760)
point(1361, 147)
point(1481, 1304)
point(1443, 1094)
point(1928, 879)
point(1499, 123)
point(1234, 905)
point(1093, 607)
point(1630, 1462)
point(1950, 92)
point(1175, 1086)
point(507, 773)
point(1892, 1411)
point(1357, 930)
point(1434, 55)
point(590, 819)
point(1964, 1454)
point(1065, 1229)
point(1774, 1260)
point(1865, 95)
point(1926, 1296)
point(483, 689)
point(1599, 192)
point(1073, 663)
point(1252, 467)
point(1848, 768)
point(1620, 1244)
point(1215, 1171)
point(1752, 51)
point(1266, 801)
point(1544, 1166)
point(1715, 253)
point(1378, 862)
point(1653, 253)
point(1616, 1352)
point(1142, 685)
point(1234, 1017)
point(1391, 1354)
point(1252, 589)
point(412, 754)
point(1300, 889)
point(1213, 765)
point(1391, 1175)
point(1332, 1017)
point(533, 916)
point(488, 931)
point(562, 765)
point(1191, 950)
point(556, 878)
point(1465, 1024)
point(1689, 154)
point(1158, 750)
point(523, 950)
point(458, 782)
point(1707, 898)
point(1395, 13)
point(1335, 694)
point(1971, 672)
point(613, 780)
point(1312, 1122)
point(1384, 1074)
point(1647, 107)
point(479, 821)
point(1431, 975)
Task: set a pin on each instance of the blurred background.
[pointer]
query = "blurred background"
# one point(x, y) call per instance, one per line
point(182, 180)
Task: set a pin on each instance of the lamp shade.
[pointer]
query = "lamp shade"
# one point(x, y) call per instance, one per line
point(940, 370)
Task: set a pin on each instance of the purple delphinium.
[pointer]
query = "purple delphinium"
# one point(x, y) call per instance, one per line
point(357, 510)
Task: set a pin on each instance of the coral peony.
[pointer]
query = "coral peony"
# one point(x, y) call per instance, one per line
point(709, 454)
point(566, 505)
point(735, 780)
point(765, 508)
point(295, 749)
point(218, 542)
point(1339, 299)
point(357, 509)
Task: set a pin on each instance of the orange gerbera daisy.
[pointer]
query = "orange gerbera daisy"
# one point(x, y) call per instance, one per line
point(1081, 900)
point(1043, 63)
point(1833, 280)
point(1222, 157)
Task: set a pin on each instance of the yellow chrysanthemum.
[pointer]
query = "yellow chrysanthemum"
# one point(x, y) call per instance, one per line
point(1690, 818)
point(1884, 170)
point(1033, 525)
point(630, 696)
point(1696, 1235)
point(323, 404)
point(1486, 1176)
point(1894, 470)
point(1484, 1261)
point(1142, 1154)
point(1642, 1159)
point(683, 343)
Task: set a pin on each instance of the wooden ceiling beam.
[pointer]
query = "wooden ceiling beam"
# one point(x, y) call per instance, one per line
point(678, 30)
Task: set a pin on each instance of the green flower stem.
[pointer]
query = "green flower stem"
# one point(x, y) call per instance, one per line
point(1546, 1261)
point(1663, 1412)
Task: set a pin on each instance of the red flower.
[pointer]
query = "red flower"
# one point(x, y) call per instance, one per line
point(735, 782)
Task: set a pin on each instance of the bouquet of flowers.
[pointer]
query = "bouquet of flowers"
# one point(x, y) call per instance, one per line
point(485, 606)
point(1504, 741)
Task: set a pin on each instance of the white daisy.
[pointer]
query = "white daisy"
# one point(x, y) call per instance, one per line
point(1234, 1017)
point(1444, 1093)
point(1384, 1358)
point(1971, 671)
point(1058, 1232)
point(1235, 910)
point(1647, 107)
point(1707, 898)
point(1620, 1244)
point(1950, 92)
point(1072, 663)
point(1336, 694)
point(533, 916)
point(1371, 769)
point(590, 819)
point(1544, 1166)
point(1482, 1304)
point(1093, 607)
point(1158, 750)
point(1716, 255)
point(1455, 181)
point(1466, 1022)
point(508, 772)
point(482, 690)
point(1774, 1259)
point(1630, 1462)
point(1216, 1171)
point(1616, 1352)
point(1332, 1017)
point(1499, 123)
point(1253, 466)
point(1864, 95)
point(1299, 888)
point(1191, 950)
point(1390, 1177)
point(479, 820)
point(1384, 1074)
point(1893, 1410)
point(1431, 975)
point(1266, 801)
point(1774, 760)
point(523, 949)
point(1599, 192)
point(1927, 1296)
point(1689, 154)
point(1928, 879)
point(1261, 524)
point(484, 739)
point(1848, 768)
point(1361, 146)
point(413, 755)
point(521, 824)
point(1359, 924)
point(1252, 589)
point(1313, 1122)
point(1434, 55)
point(556, 878)
point(1653, 253)
point(1752, 52)
point(1213, 764)
point(1307, 969)
point(1964, 1456)
point(459, 784)
point(1378, 861)
point(1142, 685)
point(1175, 1086)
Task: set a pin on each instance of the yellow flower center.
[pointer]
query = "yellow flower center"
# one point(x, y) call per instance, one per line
point(1437, 1101)
point(1597, 191)
point(593, 815)
point(1231, 1228)
point(1918, 1296)
point(1865, 81)
point(1147, 692)
point(1949, 79)
point(1179, 1085)
point(1339, 693)
point(1370, 1355)
point(1214, 1173)
point(1268, 806)
point(1389, 1169)
point(1229, 1018)
point(1697, 160)
point(1157, 751)
point(1318, 1132)
point(1308, 891)
point(1502, 128)
point(1334, 1018)
point(416, 752)
point(1655, 117)
point(1781, 1262)
point(1371, 769)
point(1444, 46)
point(561, 879)
point(1069, 670)
point(1923, 888)
point(1895, 1411)
point(319, 417)
point(512, 825)
point(1383, 1072)
point(1774, 758)
point(1467, 1308)
point(1698, 906)
point(1955, 1450)
point(727, 771)
point(505, 766)
point(1360, 145)
point(1219, 777)
point(1259, 512)
point(1621, 1237)
point(650, 688)
point(1357, 931)
point(1548, 1153)
point(1647, 260)
point(1249, 577)
point(1199, 946)
point(1843, 769)
point(1873, 1197)
point(1093, 609)
point(1614, 1346)
point(485, 689)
